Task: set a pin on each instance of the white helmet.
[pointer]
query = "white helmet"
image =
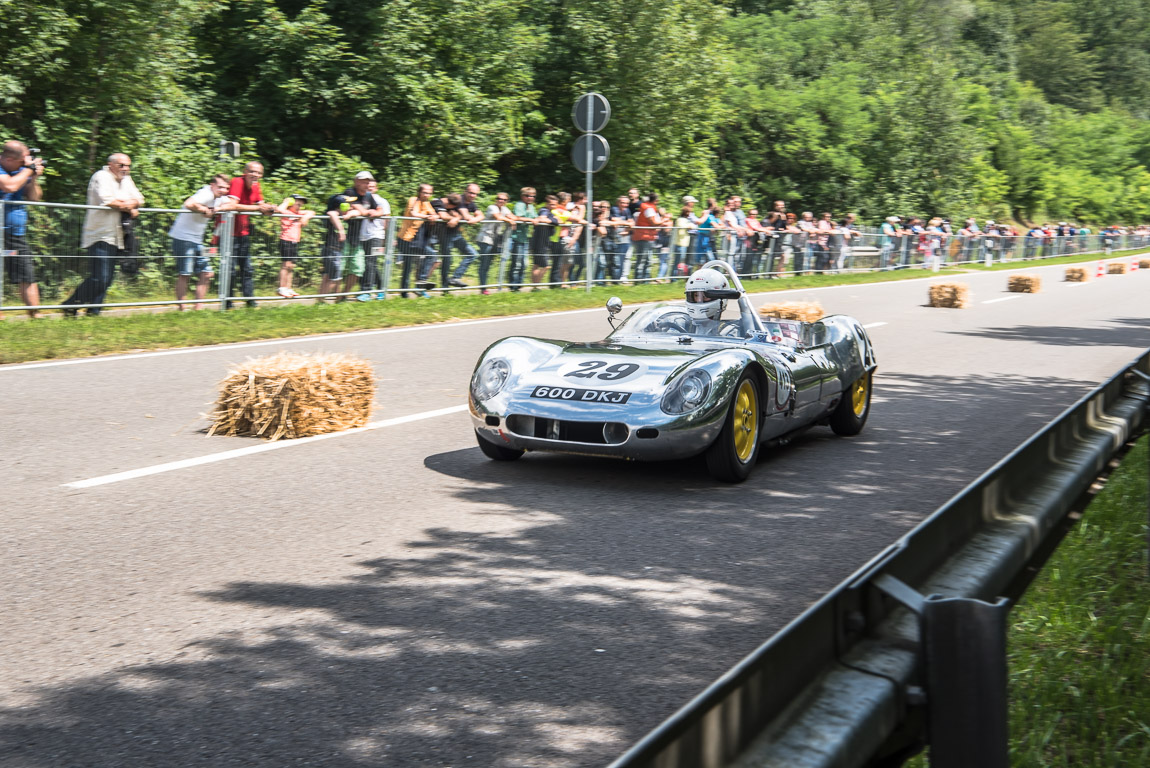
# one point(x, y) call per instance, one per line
point(699, 307)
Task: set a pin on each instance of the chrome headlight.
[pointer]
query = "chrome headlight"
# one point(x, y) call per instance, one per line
point(490, 378)
point(688, 392)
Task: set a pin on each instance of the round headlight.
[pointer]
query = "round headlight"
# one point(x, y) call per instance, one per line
point(490, 378)
point(688, 393)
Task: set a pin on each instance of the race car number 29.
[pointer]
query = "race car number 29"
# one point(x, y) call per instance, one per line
point(581, 395)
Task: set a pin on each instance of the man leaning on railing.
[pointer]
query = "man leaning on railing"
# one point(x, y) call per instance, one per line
point(245, 195)
point(111, 187)
point(187, 234)
point(20, 180)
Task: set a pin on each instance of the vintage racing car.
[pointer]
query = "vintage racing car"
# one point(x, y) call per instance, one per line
point(674, 381)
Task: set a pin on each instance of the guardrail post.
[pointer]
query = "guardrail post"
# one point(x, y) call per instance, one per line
point(965, 647)
point(388, 255)
point(504, 255)
point(3, 247)
point(225, 232)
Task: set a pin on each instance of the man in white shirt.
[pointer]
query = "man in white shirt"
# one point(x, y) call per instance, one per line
point(187, 235)
point(112, 188)
point(372, 237)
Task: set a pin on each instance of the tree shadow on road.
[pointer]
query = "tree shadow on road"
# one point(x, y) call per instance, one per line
point(1123, 332)
point(604, 597)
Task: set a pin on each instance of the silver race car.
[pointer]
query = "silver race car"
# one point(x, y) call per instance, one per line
point(674, 381)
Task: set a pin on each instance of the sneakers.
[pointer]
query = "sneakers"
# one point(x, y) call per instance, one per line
point(363, 297)
point(287, 293)
point(484, 292)
point(455, 282)
point(425, 294)
point(381, 296)
point(425, 285)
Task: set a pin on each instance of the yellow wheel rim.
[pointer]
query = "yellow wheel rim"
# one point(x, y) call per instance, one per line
point(745, 423)
point(859, 392)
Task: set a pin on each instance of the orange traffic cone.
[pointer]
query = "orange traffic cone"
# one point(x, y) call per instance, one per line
point(1134, 264)
point(1101, 271)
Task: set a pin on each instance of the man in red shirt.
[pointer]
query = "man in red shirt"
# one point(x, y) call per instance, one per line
point(643, 236)
point(244, 194)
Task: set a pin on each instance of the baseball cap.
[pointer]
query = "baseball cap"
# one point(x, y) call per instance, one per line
point(689, 199)
point(364, 175)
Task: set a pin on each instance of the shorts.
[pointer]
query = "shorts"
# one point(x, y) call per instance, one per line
point(20, 266)
point(356, 263)
point(333, 261)
point(189, 258)
point(289, 250)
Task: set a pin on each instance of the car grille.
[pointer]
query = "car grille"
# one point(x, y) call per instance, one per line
point(593, 432)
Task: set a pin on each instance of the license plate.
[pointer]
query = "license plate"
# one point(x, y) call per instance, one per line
point(576, 395)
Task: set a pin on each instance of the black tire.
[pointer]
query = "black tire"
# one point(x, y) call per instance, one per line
point(851, 413)
point(497, 452)
point(733, 454)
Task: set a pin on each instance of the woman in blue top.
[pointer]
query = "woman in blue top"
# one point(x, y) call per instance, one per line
point(705, 246)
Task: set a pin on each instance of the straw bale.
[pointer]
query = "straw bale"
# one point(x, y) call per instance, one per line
point(806, 311)
point(1116, 268)
point(1024, 284)
point(1143, 263)
point(950, 295)
point(1077, 275)
point(292, 395)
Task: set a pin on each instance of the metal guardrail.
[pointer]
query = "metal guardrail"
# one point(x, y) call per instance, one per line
point(910, 650)
point(525, 257)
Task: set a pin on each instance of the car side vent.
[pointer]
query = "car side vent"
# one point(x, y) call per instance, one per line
point(492, 421)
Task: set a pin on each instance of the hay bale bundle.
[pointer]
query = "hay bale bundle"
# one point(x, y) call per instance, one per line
point(1024, 284)
point(1077, 275)
point(950, 295)
point(1143, 263)
point(806, 311)
point(1116, 268)
point(289, 396)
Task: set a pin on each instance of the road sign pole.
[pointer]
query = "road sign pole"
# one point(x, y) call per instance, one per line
point(588, 205)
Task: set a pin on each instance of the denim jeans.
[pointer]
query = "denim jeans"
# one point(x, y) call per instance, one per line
point(458, 242)
point(242, 266)
point(518, 263)
point(101, 272)
point(486, 252)
point(643, 259)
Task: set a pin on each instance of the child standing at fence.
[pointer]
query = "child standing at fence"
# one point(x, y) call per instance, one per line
point(291, 228)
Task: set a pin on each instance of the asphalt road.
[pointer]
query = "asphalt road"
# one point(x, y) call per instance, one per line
point(392, 598)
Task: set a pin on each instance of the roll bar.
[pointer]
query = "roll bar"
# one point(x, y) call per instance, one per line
point(746, 311)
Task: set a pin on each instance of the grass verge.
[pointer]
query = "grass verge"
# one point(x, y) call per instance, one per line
point(1079, 259)
point(1079, 643)
point(57, 337)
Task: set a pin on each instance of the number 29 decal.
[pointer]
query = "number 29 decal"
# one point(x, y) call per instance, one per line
point(601, 370)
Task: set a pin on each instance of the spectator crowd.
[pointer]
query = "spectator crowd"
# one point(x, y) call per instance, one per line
point(633, 238)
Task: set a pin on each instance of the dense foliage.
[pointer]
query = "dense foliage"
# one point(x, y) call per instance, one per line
point(996, 108)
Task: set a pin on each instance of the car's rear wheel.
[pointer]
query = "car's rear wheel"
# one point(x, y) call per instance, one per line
point(851, 413)
point(497, 452)
point(732, 456)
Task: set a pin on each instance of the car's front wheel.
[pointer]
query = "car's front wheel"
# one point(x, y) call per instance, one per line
point(497, 452)
point(851, 413)
point(732, 456)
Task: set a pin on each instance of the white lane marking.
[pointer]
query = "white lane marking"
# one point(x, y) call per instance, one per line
point(403, 329)
point(1076, 285)
point(267, 446)
point(1004, 298)
point(764, 295)
point(290, 340)
point(874, 325)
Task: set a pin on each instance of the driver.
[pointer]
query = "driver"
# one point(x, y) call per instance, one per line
point(704, 312)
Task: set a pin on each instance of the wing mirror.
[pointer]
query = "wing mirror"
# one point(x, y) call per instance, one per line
point(614, 307)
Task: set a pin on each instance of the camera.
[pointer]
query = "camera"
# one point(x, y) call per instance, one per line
point(35, 153)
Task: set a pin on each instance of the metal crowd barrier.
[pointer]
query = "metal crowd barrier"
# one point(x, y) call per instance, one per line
point(910, 650)
point(488, 256)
